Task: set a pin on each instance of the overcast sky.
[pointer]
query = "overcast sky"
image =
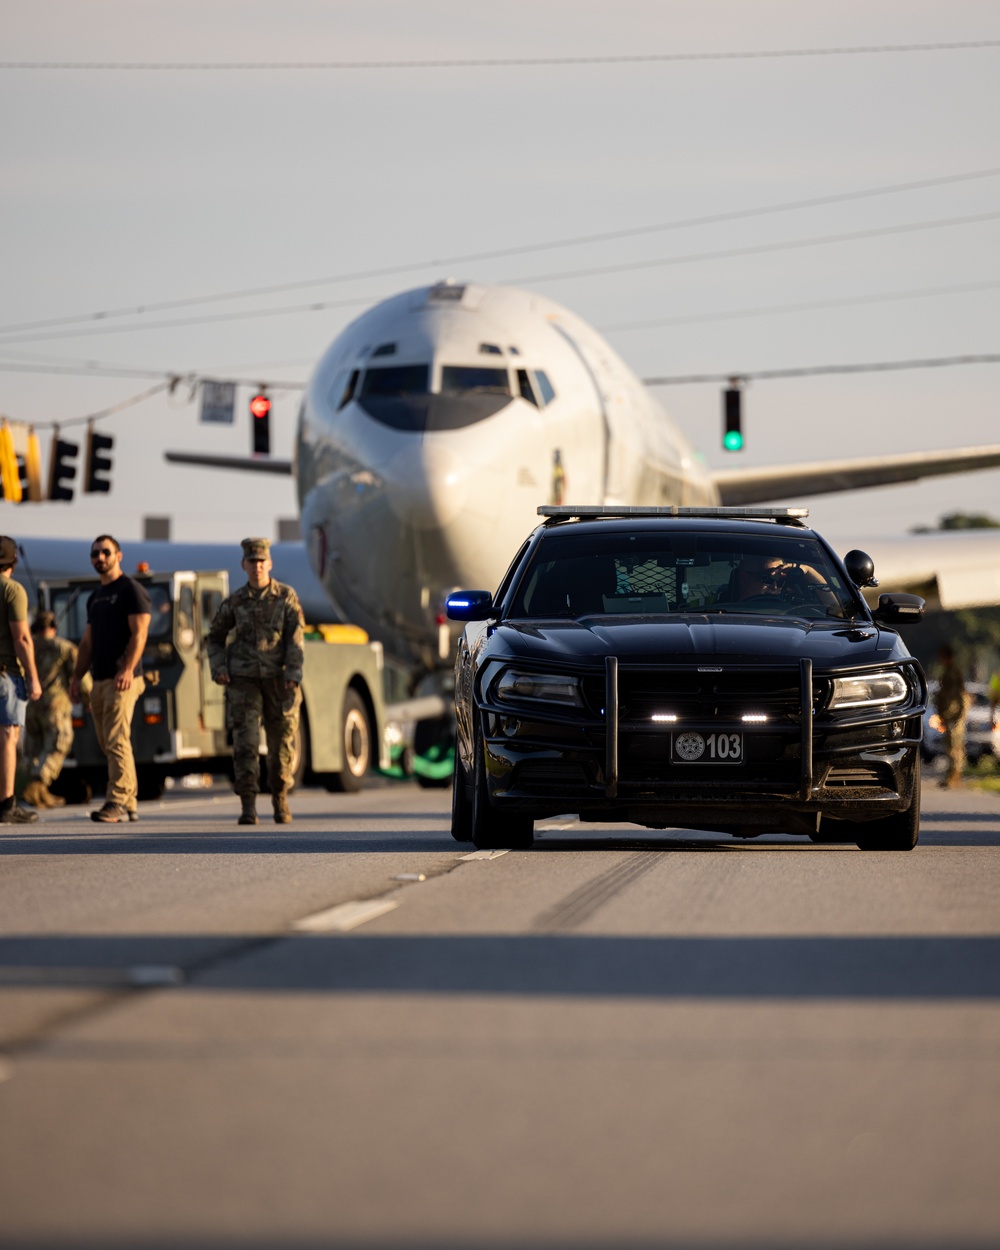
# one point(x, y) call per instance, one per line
point(133, 188)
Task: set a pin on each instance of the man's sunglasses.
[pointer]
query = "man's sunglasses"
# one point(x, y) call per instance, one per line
point(101, 551)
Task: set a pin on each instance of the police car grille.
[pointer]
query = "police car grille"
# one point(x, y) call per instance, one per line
point(690, 695)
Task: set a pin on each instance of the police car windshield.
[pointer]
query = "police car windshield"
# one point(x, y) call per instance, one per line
point(635, 574)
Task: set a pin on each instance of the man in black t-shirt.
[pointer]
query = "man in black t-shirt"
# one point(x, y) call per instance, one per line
point(118, 616)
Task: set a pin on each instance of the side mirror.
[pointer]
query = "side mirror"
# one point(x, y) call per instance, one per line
point(470, 605)
point(899, 609)
point(860, 568)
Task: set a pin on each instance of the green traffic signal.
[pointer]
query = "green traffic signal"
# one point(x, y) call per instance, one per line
point(732, 419)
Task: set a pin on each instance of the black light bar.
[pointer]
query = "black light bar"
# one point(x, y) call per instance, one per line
point(587, 512)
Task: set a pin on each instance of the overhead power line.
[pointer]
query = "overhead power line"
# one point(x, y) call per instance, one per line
point(883, 366)
point(687, 258)
point(91, 368)
point(774, 310)
point(757, 249)
point(465, 258)
point(649, 58)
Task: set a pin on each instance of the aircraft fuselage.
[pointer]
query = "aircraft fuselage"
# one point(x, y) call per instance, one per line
point(435, 425)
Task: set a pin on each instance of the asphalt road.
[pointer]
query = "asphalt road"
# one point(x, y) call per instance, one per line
point(350, 1032)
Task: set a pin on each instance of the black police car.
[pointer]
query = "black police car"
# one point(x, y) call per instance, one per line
point(708, 668)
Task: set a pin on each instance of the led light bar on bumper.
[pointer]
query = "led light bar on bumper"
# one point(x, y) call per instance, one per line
point(517, 686)
point(868, 690)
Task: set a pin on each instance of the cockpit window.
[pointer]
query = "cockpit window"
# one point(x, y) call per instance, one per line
point(343, 388)
point(490, 349)
point(399, 397)
point(397, 380)
point(460, 379)
point(384, 349)
point(545, 387)
point(524, 386)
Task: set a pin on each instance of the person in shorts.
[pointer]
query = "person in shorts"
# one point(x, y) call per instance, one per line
point(118, 616)
point(18, 681)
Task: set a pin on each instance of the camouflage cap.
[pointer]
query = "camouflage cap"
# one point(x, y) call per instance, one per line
point(256, 548)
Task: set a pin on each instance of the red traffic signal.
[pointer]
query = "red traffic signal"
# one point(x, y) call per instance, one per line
point(260, 411)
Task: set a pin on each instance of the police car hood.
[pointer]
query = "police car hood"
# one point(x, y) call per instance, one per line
point(743, 640)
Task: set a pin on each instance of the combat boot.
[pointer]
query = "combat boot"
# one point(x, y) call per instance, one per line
point(248, 816)
point(34, 794)
point(282, 816)
point(50, 799)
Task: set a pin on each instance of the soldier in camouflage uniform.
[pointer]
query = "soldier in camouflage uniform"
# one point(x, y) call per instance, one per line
point(255, 651)
point(952, 704)
point(49, 722)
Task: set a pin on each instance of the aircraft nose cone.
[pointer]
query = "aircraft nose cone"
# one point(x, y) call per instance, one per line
point(426, 486)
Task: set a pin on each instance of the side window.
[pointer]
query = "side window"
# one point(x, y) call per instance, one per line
point(185, 617)
point(161, 611)
point(70, 607)
point(347, 393)
point(508, 577)
point(545, 387)
point(524, 386)
point(211, 601)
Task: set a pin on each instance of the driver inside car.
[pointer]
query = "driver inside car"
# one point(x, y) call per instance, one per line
point(758, 575)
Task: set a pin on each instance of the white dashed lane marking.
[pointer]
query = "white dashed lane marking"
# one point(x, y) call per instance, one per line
point(344, 916)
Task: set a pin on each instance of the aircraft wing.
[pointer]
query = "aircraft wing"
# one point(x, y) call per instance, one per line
point(822, 477)
point(950, 568)
point(249, 464)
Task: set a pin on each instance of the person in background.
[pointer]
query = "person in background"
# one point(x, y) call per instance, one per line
point(18, 681)
point(118, 616)
point(255, 650)
point(951, 704)
point(49, 725)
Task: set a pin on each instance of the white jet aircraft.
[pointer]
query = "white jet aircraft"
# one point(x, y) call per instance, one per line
point(438, 421)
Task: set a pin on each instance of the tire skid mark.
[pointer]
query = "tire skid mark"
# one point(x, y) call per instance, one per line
point(590, 898)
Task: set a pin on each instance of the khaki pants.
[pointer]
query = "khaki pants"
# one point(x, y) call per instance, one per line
point(112, 711)
point(954, 746)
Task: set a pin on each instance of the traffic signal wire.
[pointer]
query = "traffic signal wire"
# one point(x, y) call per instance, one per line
point(166, 385)
point(882, 366)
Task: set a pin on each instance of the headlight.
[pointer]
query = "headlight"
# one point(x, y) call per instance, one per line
point(514, 686)
point(863, 690)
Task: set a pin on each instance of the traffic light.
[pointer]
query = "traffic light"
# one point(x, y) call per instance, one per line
point(31, 478)
point(62, 468)
point(260, 416)
point(732, 418)
point(10, 475)
point(98, 462)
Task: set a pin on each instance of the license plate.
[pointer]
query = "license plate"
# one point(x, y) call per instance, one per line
point(714, 748)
